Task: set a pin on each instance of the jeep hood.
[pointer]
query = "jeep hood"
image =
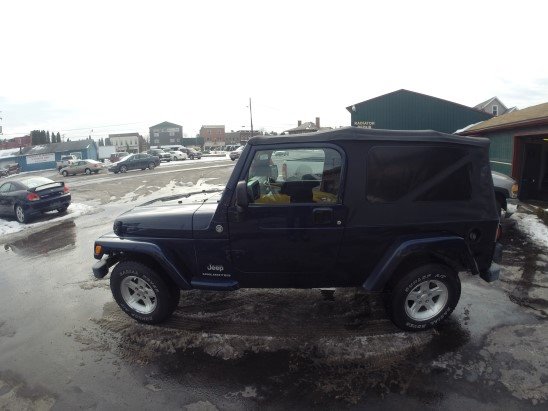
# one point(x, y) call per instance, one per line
point(169, 217)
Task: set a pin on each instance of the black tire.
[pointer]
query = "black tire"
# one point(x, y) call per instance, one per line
point(143, 169)
point(20, 214)
point(151, 166)
point(116, 172)
point(123, 169)
point(65, 173)
point(87, 171)
point(132, 277)
point(62, 209)
point(434, 285)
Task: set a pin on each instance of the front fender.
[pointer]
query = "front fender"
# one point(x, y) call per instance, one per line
point(438, 246)
point(113, 245)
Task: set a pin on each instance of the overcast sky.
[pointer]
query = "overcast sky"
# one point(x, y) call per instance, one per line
point(116, 66)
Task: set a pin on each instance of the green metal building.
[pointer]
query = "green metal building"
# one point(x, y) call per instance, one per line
point(519, 148)
point(407, 110)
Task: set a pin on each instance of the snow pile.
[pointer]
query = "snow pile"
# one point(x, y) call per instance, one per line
point(174, 187)
point(531, 225)
point(74, 210)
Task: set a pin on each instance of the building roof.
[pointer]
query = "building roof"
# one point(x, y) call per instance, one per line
point(124, 135)
point(526, 117)
point(484, 104)
point(213, 126)
point(307, 126)
point(404, 91)
point(358, 133)
point(58, 147)
point(165, 123)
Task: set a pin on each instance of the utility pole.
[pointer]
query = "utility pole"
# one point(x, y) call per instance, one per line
point(251, 117)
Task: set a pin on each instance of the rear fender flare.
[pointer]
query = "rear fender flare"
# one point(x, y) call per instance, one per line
point(403, 249)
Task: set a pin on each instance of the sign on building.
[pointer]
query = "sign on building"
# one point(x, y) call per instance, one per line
point(41, 158)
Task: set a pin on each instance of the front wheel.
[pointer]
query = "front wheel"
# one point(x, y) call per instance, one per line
point(88, 171)
point(142, 293)
point(65, 173)
point(424, 297)
point(123, 169)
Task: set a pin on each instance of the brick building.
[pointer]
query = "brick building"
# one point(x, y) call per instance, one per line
point(213, 136)
point(16, 142)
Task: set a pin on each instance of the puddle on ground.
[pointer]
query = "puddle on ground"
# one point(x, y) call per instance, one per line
point(40, 243)
point(525, 271)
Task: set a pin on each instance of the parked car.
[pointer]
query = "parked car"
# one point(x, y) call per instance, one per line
point(505, 188)
point(28, 197)
point(177, 155)
point(161, 154)
point(9, 170)
point(135, 162)
point(118, 156)
point(234, 155)
point(191, 153)
point(82, 167)
point(66, 161)
point(398, 212)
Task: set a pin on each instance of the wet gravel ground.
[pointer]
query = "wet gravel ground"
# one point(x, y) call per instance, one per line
point(64, 344)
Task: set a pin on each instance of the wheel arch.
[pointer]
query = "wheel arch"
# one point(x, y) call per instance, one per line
point(151, 255)
point(405, 255)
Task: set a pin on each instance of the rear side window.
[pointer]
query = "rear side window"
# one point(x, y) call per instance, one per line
point(417, 174)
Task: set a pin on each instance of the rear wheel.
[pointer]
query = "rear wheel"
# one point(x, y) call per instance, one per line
point(151, 166)
point(142, 293)
point(62, 209)
point(20, 214)
point(424, 297)
point(88, 171)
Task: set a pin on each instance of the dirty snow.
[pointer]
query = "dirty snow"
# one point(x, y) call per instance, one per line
point(8, 226)
point(532, 226)
point(172, 188)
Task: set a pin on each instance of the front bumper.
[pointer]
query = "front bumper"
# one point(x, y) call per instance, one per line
point(100, 268)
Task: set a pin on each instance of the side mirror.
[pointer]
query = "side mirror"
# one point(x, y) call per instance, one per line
point(241, 195)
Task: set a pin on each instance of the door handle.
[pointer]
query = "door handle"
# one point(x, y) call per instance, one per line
point(322, 216)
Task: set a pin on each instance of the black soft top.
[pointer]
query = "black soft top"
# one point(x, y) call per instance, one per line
point(363, 134)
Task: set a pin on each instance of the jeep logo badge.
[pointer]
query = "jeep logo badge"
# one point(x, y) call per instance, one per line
point(219, 228)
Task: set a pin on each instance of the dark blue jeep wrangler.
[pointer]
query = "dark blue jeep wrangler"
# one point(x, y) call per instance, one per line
point(398, 212)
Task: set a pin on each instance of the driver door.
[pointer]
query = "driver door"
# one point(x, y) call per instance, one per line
point(290, 233)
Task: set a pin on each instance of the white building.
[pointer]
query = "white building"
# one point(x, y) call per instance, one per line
point(125, 142)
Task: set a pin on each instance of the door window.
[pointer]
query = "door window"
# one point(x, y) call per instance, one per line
point(296, 175)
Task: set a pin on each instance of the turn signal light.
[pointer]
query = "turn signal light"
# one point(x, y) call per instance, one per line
point(33, 197)
point(98, 249)
point(66, 189)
